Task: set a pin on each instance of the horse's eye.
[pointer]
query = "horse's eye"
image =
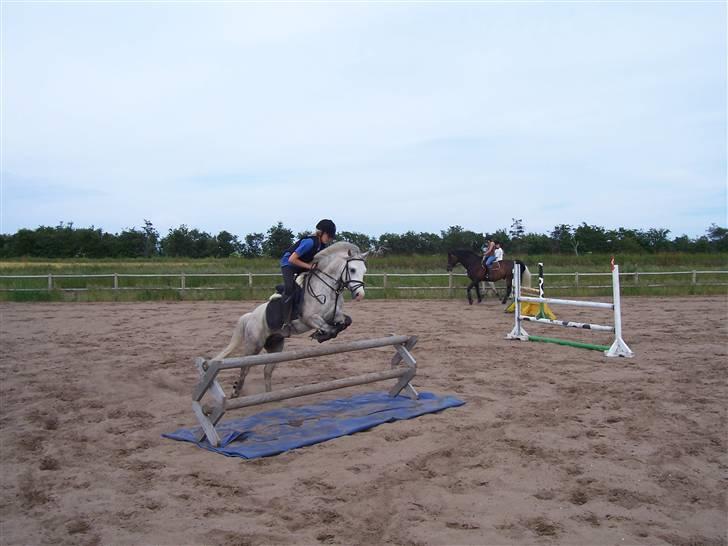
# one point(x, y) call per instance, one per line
point(352, 270)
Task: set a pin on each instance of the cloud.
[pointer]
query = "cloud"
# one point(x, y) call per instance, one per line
point(389, 117)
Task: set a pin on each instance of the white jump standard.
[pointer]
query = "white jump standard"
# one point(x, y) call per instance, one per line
point(618, 347)
point(403, 368)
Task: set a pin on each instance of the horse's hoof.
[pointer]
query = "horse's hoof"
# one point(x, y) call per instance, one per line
point(322, 336)
point(236, 391)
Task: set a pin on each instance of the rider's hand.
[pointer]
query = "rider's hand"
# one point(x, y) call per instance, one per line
point(314, 265)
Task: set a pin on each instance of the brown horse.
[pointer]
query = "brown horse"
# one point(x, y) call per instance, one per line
point(473, 264)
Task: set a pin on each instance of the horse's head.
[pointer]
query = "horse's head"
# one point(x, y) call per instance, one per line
point(346, 265)
point(452, 260)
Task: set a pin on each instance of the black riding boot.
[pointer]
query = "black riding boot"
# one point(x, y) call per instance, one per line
point(295, 307)
point(287, 309)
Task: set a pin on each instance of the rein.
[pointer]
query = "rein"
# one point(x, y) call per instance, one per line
point(342, 282)
point(466, 259)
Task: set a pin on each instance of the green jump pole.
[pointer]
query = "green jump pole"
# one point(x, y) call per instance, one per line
point(569, 343)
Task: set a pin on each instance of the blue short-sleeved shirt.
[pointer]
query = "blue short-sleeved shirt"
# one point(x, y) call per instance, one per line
point(301, 249)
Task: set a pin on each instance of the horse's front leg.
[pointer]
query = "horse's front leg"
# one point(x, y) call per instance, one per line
point(316, 321)
point(324, 330)
point(344, 324)
point(341, 320)
point(470, 297)
point(477, 292)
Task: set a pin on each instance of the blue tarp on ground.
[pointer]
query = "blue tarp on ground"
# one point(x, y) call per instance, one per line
point(276, 431)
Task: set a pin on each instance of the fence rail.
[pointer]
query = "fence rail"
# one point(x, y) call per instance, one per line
point(385, 281)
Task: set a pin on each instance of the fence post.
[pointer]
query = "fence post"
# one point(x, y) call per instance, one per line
point(182, 281)
point(384, 285)
point(50, 282)
point(695, 277)
point(449, 284)
point(250, 280)
point(116, 281)
point(576, 279)
point(636, 279)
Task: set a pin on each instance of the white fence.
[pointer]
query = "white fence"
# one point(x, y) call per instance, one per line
point(383, 281)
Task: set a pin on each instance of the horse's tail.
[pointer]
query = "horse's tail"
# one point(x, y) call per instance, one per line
point(525, 274)
point(237, 339)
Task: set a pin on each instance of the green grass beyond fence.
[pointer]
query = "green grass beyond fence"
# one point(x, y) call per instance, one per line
point(406, 277)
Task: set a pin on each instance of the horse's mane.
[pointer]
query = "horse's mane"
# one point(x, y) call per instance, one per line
point(462, 252)
point(342, 247)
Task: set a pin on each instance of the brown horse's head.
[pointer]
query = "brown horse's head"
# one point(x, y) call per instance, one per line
point(452, 261)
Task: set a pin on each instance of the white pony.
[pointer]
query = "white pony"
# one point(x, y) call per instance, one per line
point(338, 267)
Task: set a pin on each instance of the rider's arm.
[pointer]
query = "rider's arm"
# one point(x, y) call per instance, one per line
point(295, 260)
point(302, 248)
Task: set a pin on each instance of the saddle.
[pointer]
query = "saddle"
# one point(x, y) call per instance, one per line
point(275, 310)
point(494, 267)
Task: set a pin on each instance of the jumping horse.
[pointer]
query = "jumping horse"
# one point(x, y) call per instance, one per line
point(338, 268)
point(473, 264)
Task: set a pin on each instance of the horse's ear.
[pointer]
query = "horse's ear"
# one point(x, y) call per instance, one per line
point(350, 253)
point(364, 256)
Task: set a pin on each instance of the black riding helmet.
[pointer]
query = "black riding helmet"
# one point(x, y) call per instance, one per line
point(327, 226)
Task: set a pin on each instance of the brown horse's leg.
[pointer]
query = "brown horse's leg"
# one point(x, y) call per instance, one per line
point(470, 298)
point(477, 292)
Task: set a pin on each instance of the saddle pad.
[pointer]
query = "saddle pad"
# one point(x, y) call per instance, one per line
point(275, 431)
point(274, 312)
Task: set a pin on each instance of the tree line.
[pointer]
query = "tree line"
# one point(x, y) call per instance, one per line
point(67, 241)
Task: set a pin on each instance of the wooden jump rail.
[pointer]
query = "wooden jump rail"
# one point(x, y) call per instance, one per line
point(618, 347)
point(403, 368)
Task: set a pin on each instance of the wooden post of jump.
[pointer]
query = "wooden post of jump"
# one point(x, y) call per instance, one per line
point(403, 367)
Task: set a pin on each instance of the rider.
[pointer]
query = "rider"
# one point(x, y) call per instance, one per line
point(495, 258)
point(498, 252)
point(298, 257)
point(488, 254)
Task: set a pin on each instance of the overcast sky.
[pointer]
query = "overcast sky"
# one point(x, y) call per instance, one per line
point(385, 117)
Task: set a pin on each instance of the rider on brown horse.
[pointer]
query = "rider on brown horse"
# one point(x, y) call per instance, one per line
point(488, 249)
point(493, 253)
point(476, 271)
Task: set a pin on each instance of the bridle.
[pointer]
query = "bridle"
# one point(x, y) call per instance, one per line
point(336, 285)
point(450, 263)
